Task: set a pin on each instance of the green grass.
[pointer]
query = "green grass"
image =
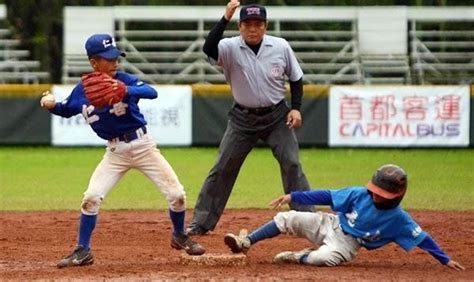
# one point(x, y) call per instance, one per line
point(46, 178)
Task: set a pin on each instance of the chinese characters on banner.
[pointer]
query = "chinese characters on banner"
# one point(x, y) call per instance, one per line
point(389, 116)
point(169, 119)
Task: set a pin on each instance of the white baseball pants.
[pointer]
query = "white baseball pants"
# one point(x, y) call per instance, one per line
point(140, 154)
point(322, 229)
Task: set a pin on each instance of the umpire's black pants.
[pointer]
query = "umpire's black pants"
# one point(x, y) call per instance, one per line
point(243, 131)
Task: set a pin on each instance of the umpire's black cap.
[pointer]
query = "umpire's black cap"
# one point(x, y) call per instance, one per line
point(253, 11)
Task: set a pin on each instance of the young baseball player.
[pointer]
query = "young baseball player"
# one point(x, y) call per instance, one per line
point(256, 66)
point(368, 217)
point(129, 146)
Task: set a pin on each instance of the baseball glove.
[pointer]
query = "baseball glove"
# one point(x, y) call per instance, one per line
point(101, 90)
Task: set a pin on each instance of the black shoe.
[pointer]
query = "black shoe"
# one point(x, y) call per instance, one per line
point(183, 242)
point(196, 230)
point(80, 256)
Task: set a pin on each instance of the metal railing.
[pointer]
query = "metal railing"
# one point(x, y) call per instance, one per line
point(159, 55)
point(442, 56)
point(14, 64)
point(164, 45)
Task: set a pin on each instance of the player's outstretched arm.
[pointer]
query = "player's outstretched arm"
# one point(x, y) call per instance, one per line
point(455, 265)
point(311, 197)
point(429, 245)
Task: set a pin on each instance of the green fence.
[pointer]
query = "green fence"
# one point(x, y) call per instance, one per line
point(24, 122)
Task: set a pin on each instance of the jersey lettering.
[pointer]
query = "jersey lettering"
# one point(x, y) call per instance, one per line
point(352, 217)
point(108, 42)
point(119, 109)
point(416, 232)
point(86, 112)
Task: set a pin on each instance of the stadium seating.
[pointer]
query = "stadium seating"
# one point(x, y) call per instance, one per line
point(162, 48)
point(15, 65)
point(386, 69)
point(175, 60)
point(443, 57)
point(159, 55)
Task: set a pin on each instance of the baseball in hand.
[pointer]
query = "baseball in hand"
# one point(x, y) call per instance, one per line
point(47, 101)
point(230, 9)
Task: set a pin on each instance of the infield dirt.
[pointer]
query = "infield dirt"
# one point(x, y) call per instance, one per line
point(134, 245)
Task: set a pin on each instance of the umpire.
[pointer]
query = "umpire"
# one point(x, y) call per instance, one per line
point(255, 66)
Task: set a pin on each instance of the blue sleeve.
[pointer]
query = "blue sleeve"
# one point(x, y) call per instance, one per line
point(314, 197)
point(430, 246)
point(342, 199)
point(142, 90)
point(72, 105)
point(409, 234)
point(137, 88)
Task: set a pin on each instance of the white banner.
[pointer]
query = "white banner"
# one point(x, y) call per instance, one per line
point(169, 119)
point(391, 116)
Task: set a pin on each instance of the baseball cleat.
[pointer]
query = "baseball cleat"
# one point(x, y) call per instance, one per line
point(291, 257)
point(286, 257)
point(183, 242)
point(238, 244)
point(79, 257)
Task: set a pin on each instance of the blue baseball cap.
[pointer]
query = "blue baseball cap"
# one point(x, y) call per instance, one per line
point(104, 46)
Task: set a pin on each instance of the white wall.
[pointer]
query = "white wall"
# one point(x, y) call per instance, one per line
point(382, 30)
point(82, 22)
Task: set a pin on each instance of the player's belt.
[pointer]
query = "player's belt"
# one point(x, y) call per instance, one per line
point(258, 111)
point(131, 136)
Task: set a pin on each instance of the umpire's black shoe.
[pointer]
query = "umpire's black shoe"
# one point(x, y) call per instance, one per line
point(195, 231)
point(183, 242)
point(80, 256)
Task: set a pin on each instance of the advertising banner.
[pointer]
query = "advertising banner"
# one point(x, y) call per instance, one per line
point(169, 119)
point(404, 116)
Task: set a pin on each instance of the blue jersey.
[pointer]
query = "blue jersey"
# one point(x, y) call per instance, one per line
point(374, 227)
point(105, 124)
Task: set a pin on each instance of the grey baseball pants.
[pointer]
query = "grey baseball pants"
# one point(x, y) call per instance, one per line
point(243, 131)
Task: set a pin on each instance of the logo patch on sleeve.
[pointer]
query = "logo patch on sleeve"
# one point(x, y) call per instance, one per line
point(416, 232)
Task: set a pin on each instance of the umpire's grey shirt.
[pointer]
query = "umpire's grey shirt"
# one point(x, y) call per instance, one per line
point(258, 80)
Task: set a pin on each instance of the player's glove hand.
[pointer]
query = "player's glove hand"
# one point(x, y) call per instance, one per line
point(101, 90)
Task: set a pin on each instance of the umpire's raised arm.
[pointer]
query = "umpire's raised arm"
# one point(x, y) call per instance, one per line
point(215, 35)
